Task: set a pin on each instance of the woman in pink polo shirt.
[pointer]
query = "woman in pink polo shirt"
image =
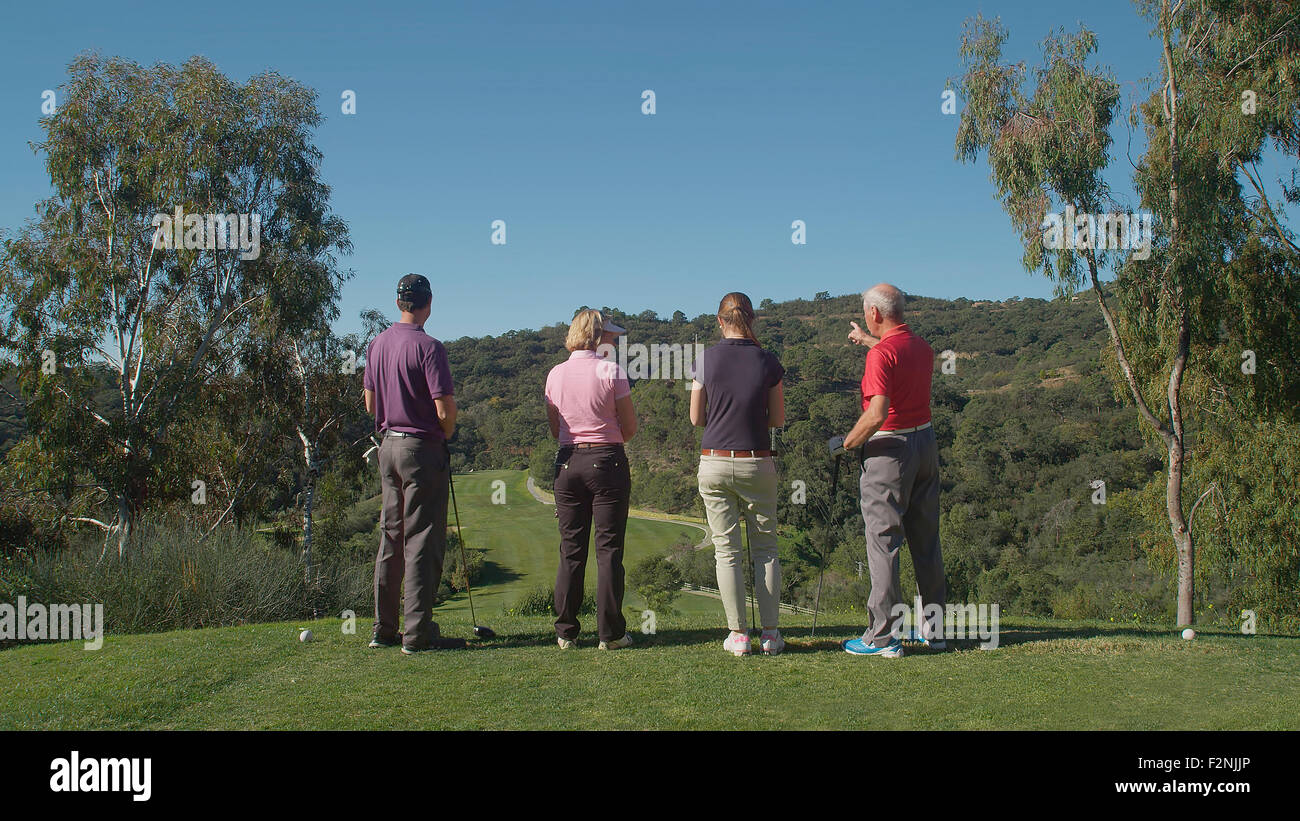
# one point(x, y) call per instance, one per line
point(589, 407)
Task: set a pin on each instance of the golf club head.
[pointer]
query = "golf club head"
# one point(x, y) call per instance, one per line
point(484, 632)
point(835, 445)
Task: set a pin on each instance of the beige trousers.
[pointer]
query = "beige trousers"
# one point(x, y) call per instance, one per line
point(735, 489)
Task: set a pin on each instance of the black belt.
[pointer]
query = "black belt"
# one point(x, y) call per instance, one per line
point(585, 445)
point(397, 434)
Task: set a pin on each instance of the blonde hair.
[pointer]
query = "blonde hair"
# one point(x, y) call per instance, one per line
point(737, 313)
point(584, 331)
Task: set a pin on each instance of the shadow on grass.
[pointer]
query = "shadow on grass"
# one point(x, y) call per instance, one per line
point(799, 640)
point(1024, 634)
point(494, 573)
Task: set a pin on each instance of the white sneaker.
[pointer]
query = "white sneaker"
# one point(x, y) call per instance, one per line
point(566, 644)
point(617, 644)
point(772, 643)
point(737, 644)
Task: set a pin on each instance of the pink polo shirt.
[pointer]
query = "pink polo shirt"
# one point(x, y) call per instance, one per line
point(584, 389)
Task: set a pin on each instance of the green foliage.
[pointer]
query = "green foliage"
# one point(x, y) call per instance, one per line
point(1247, 523)
point(658, 581)
point(171, 580)
point(126, 144)
point(541, 465)
point(697, 567)
point(1217, 280)
point(454, 571)
point(540, 601)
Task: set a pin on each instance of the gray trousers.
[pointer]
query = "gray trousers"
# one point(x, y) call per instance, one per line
point(413, 536)
point(900, 499)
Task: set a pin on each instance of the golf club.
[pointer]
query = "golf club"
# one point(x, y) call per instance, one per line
point(749, 557)
point(479, 630)
point(836, 447)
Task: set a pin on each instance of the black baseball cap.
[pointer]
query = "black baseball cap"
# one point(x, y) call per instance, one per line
point(414, 285)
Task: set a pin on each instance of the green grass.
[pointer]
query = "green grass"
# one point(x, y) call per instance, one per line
point(523, 545)
point(1044, 676)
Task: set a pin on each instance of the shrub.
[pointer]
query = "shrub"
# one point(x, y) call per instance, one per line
point(698, 567)
point(169, 579)
point(540, 601)
point(658, 581)
point(453, 568)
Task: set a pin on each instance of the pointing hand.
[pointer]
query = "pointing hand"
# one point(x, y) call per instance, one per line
point(860, 337)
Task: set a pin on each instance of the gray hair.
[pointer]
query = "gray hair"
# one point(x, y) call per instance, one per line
point(885, 298)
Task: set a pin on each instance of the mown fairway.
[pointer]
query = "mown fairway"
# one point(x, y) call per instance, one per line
point(523, 546)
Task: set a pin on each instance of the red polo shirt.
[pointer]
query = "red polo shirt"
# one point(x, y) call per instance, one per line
point(900, 367)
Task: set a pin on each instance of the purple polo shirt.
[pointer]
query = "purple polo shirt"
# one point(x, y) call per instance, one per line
point(407, 369)
point(737, 376)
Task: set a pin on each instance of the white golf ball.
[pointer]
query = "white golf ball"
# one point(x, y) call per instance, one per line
point(305, 636)
point(1189, 634)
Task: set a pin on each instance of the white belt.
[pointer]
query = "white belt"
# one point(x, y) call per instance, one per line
point(900, 430)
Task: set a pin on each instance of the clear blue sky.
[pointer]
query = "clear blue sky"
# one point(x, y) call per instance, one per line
point(530, 112)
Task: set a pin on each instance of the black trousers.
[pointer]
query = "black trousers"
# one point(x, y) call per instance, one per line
point(592, 486)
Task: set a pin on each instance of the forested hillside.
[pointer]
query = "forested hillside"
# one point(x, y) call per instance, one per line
point(1050, 504)
point(1026, 422)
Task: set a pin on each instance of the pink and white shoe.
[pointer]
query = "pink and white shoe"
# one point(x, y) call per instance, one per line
point(772, 643)
point(737, 644)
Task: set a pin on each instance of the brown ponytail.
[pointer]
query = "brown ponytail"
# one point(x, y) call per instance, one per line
point(737, 314)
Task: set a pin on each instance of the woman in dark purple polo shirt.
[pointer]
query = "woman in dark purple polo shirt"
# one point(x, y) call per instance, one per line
point(736, 397)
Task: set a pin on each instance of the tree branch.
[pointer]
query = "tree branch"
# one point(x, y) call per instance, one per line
point(1129, 376)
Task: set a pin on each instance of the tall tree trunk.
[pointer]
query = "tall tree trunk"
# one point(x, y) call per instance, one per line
point(128, 501)
point(309, 498)
point(122, 525)
point(1182, 535)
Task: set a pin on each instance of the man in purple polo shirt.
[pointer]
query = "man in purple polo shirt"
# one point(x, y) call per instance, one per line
point(408, 389)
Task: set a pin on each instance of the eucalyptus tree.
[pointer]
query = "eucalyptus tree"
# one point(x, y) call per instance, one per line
point(1185, 289)
point(188, 219)
point(1224, 297)
point(319, 385)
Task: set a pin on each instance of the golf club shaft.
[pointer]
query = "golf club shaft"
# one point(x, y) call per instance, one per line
point(460, 538)
point(753, 578)
point(830, 517)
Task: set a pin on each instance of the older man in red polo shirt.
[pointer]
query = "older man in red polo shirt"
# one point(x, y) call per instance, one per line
point(900, 472)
